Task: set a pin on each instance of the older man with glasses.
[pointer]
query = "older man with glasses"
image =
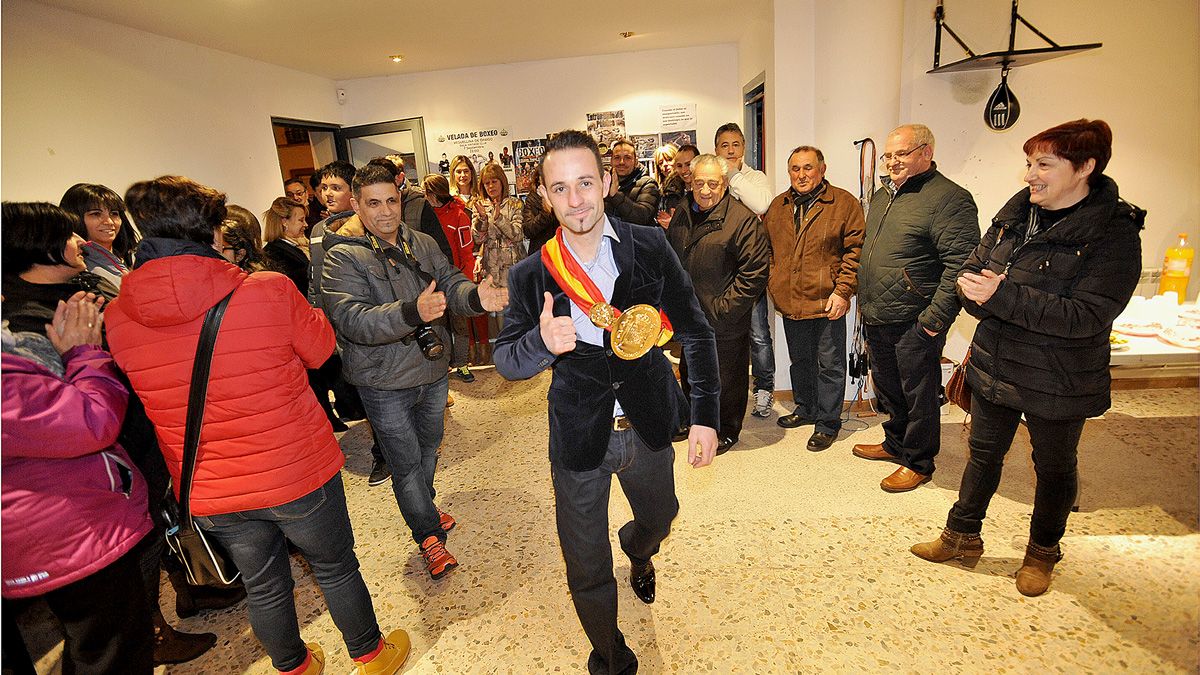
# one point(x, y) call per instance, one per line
point(723, 246)
point(920, 229)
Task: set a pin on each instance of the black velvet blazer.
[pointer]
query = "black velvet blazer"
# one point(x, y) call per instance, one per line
point(587, 380)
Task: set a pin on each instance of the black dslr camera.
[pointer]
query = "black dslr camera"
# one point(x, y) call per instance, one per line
point(424, 335)
point(427, 339)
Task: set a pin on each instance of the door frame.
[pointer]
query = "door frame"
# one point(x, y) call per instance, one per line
point(416, 125)
point(754, 115)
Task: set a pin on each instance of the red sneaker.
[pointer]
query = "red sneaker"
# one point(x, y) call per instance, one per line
point(437, 559)
point(446, 520)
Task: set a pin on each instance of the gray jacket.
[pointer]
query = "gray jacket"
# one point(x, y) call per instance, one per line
point(316, 252)
point(372, 304)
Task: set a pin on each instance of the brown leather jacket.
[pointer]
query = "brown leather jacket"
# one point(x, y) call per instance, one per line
point(819, 258)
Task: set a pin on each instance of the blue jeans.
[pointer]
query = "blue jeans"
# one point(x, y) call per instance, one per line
point(319, 526)
point(817, 348)
point(409, 424)
point(762, 352)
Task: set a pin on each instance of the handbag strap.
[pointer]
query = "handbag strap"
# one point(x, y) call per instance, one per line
point(197, 395)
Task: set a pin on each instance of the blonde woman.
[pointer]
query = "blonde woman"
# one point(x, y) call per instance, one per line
point(287, 247)
point(664, 158)
point(462, 179)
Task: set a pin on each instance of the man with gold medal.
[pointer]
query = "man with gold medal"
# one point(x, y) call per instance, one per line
point(596, 306)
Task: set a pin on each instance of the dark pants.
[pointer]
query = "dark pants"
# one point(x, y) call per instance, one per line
point(1055, 445)
point(105, 621)
point(817, 349)
point(409, 425)
point(733, 358)
point(908, 376)
point(319, 526)
point(460, 339)
point(581, 508)
point(330, 373)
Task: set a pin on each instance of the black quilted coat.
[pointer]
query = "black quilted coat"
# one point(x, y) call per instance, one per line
point(917, 237)
point(1042, 342)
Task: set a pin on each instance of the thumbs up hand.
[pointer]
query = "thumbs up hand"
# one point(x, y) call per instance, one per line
point(558, 332)
point(431, 303)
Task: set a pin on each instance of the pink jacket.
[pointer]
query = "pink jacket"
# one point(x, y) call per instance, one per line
point(71, 500)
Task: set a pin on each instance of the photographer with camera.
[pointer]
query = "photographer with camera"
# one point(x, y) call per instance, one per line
point(386, 289)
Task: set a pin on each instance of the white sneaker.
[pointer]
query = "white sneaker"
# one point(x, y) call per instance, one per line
point(763, 400)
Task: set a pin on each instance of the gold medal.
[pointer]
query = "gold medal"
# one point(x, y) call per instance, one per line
point(603, 315)
point(636, 331)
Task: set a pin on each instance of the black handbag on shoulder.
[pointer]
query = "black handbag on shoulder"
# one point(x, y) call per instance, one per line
point(204, 560)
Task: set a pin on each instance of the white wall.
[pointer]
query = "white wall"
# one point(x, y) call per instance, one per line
point(539, 97)
point(857, 84)
point(89, 101)
point(1144, 82)
point(834, 76)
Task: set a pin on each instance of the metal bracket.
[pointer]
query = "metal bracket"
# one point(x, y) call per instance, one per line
point(1010, 58)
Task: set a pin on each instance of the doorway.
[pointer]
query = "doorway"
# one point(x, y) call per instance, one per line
point(753, 114)
point(302, 147)
point(406, 138)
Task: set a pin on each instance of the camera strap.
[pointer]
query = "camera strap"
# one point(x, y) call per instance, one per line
point(405, 254)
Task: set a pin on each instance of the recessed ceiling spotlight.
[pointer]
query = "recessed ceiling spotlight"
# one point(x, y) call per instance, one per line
point(626, 34)
point(396, 58)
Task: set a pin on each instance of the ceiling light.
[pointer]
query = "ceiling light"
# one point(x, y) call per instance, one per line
point(626, 34)
point(396, 58)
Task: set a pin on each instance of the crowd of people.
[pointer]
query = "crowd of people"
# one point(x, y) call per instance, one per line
point(361, 301)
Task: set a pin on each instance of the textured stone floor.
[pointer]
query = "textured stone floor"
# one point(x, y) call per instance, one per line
point(781, 560)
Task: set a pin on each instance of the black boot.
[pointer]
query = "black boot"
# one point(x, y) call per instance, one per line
point(191, 600)
point(171, 646)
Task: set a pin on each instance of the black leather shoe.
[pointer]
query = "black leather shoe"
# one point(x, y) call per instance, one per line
point(681, 434)
point(794, 420)
point(820, 441)
point(641, 578)
point(725, 444)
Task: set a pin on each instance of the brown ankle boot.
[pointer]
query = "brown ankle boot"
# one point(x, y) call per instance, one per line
point(951, 545)
point(171, 646)
point(1034, 576)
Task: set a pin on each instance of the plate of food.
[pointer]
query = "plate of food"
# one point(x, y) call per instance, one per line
point(1181, 336)
point(1138, 329)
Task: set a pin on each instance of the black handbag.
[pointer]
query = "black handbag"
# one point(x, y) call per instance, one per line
point(204, 560)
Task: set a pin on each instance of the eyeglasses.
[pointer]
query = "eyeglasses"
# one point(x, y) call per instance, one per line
point(713, 185)
point(889, 156)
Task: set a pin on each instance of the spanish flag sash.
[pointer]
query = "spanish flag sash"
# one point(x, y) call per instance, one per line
point(635, 330)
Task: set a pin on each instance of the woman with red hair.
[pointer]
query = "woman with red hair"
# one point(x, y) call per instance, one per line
point(1057, 266)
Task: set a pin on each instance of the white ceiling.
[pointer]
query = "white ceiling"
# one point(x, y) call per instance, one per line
point(346, 39)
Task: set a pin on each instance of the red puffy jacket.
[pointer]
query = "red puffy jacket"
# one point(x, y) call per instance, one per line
point(265, 440)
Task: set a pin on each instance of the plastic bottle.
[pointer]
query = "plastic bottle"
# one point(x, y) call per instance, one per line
point(1177, 268)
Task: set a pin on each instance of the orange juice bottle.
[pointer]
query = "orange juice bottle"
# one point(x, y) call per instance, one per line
point(1177, 268)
